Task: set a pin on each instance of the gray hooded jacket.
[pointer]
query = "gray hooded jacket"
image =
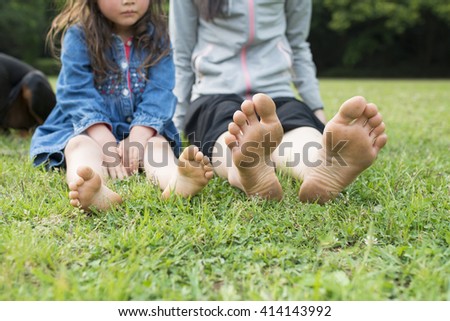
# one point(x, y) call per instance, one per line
point(260, 46)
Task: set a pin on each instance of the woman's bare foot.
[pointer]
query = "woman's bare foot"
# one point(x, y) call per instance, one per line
point(351, 140)
point(194, 172)
point(252, 141)
point(88, 191)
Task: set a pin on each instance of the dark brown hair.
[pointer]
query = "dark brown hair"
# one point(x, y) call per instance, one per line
point(98, 30)
point(210, 9)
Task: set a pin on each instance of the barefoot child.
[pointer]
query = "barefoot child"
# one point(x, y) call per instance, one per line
point(226, 52)
point(115, 104)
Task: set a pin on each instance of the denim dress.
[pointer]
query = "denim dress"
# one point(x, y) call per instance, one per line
point(132, 96)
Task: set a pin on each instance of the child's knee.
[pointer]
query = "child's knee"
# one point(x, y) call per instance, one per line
point(77, 142)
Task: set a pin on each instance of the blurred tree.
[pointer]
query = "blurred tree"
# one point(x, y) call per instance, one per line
point(23, 24)
point(383, 34)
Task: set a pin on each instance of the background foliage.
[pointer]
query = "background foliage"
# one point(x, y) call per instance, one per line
point(348, 38)
point(382, 37)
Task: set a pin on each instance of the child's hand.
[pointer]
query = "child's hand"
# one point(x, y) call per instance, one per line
point(112, 159)
point(133, 148)
point(113, 164)
point(131, 155)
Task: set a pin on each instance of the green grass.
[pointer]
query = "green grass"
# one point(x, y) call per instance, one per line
point(386, 238)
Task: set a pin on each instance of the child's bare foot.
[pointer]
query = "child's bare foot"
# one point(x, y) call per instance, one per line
point(252, 141)
point(88, 191)
point(194, 172)
point(352, 140)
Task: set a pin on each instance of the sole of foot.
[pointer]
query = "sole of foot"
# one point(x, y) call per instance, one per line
point(352, 140)
point(252, 137)
point(193, 174)
point(88, 191)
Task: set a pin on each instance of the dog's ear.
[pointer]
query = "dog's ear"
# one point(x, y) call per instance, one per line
point(17, 115)
point(39, 94)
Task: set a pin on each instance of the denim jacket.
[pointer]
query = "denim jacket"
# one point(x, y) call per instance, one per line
point(122, 100)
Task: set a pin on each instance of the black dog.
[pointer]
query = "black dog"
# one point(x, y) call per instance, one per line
point(26, 96)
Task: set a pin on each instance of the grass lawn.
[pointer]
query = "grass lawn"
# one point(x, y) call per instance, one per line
point(386, 238)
